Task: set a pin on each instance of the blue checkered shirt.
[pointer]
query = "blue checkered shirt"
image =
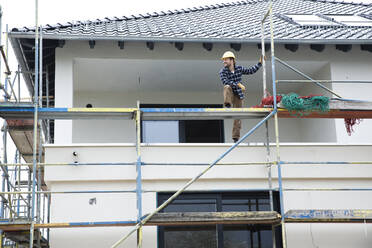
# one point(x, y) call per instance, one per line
point(232, 79)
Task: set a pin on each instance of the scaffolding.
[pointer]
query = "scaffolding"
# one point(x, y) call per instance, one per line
point(25, 208)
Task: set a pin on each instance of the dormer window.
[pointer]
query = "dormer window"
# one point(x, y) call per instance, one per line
point(328, 20)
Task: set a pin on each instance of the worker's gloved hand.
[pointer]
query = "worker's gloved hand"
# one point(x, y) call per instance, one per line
point(241, 86)
point(261, 59)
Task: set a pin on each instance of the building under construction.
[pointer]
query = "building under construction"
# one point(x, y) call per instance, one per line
point(126, 142)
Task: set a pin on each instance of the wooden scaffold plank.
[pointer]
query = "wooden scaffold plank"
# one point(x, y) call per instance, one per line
point(329, 216)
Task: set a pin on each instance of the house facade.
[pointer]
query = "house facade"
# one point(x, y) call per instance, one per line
point(172, 60)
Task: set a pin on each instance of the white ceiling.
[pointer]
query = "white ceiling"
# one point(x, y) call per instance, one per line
point(171, 75)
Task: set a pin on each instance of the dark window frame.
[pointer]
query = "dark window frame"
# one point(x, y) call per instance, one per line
point(219, 196)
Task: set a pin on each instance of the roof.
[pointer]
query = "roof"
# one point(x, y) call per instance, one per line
point(230, 22)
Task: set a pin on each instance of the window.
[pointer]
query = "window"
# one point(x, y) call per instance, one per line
point(352, 20)
point(160, 131)
point(183, 131)
point(311, 20)
point(218, 236)
point(328, 20)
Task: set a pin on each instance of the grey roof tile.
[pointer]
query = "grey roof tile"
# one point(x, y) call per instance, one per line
point(235, 21)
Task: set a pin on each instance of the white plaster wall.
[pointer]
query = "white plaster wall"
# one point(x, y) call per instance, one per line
point(361, 70)
point(86, 131)
point(75, 207)
point(161, 178)
point(318, 130)
point(63, 94)
point(290, 130)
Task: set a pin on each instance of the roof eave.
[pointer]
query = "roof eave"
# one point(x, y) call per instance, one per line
point(16, 35)
point(14, 41)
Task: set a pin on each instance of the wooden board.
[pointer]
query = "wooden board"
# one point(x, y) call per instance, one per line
point(329, 216)
point(332, 114)
point(338, 109)
point(166, 219)
point(208, 218)
point(21, 132)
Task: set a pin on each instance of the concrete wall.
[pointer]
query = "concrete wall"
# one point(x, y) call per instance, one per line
point(109, 207)
point(330, 64)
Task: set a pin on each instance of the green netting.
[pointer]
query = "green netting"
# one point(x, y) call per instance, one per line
point(305, 105)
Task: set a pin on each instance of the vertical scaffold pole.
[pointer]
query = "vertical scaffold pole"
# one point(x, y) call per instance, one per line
point(38, 211)
point(263, 60)
point(3, 178)
point(47, 103)
point(34, 155)
point(139, 174)
point(38, 206)
point(7, 96)
point(277, 126)
point(19, 181)
point(1, 17)
point(270, 179)
point(48, 216)
point(19, 83)
point(263, 52)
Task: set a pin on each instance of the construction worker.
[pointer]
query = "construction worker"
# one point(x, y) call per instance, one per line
point(233, 91)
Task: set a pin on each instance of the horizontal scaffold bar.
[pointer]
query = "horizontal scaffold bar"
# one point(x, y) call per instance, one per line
point(325, 162)
point(134, 163)
point(212, 218)
point(343, 109)
point(327, 81)
point(329, 216)
point(158, 191)
point(194, 164)
point(164, 219)
point(203, 113)
point(67, 113)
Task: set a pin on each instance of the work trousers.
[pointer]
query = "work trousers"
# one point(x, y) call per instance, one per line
point(229, 98)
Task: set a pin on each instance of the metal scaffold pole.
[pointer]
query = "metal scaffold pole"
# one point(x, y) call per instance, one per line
point(39, 169)
point(139, 174)
point(3, 175)
point(284, 240)
point(267, 142)
point(34, 155)
point(270, 178)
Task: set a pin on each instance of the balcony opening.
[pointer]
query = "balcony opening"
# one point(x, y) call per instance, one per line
point(182, 131)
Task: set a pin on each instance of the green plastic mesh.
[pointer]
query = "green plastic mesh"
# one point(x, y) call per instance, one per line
point(304, 105)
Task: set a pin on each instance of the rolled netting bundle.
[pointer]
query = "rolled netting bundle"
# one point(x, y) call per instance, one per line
point(302, 105)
